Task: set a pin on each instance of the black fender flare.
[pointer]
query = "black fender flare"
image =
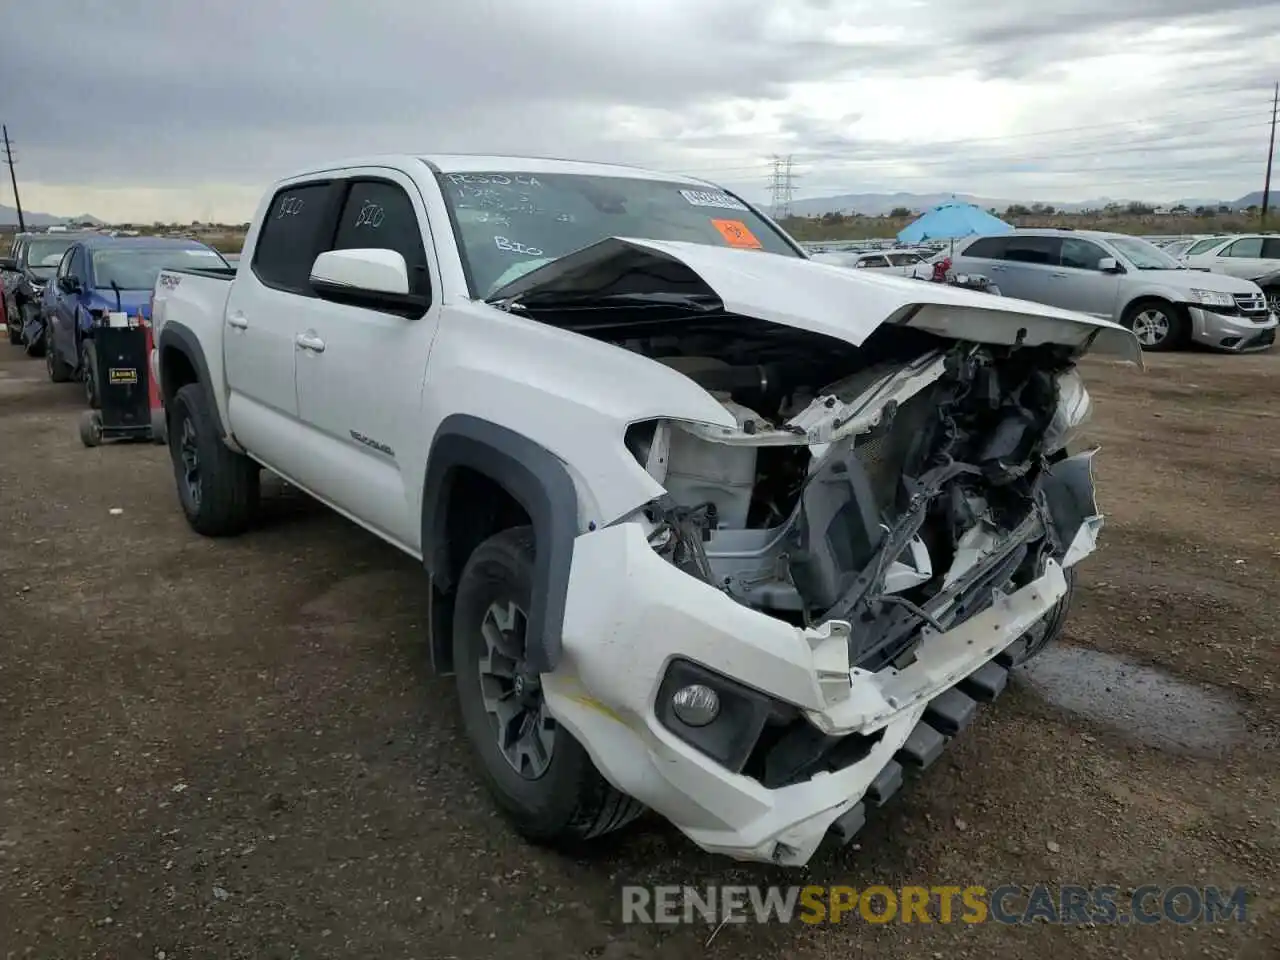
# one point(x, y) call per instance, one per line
point(176, 336)
point(540, 483)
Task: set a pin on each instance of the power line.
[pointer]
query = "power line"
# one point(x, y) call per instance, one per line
point(17, 201)
point(1085, 146)
point(1271, 152)
point(1260, 111)
point(1165, 143)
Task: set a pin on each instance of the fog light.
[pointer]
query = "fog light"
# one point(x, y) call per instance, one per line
point(697, 704)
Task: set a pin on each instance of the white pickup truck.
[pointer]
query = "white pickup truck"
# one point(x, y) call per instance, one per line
point(710, 528)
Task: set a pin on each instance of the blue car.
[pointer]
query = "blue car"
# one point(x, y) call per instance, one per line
point(102, 275)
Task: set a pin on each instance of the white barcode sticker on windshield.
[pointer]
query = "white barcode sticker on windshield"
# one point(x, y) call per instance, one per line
point(706, 198)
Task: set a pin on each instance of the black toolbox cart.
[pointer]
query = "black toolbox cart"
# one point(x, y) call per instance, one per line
point(126, 400)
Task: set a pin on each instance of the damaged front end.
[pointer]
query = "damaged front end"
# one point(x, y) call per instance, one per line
point(899, 498)
point(831, 569)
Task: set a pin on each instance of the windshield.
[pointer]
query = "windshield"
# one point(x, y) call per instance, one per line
point(511, 223)
point(1204, 245)
point(137, 269)
point(1143, 254)
point(43, 256)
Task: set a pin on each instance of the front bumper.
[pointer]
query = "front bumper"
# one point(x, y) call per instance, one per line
point(630, 614)
point(1232, 332)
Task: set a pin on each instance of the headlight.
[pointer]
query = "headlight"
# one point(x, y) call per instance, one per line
point(1213, 298)
point(1073, 411)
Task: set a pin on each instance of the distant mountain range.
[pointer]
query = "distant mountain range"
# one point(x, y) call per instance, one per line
point(9, 218)
point(876, 204)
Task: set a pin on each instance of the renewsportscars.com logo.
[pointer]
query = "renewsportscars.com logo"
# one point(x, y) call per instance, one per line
point(1007, 904)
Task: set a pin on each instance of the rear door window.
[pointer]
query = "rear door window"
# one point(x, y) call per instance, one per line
point(1039, 251)
point(986, 248)
point(1271, 248)
point(292, 236)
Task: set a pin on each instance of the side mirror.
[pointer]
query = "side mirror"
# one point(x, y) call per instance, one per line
point(1110, 265)
point(8, 263)
point(69, 285)
point(371, 277)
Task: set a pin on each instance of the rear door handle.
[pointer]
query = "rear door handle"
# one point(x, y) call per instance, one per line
point(239, 321)
point(1059, 276)
point(310, 342)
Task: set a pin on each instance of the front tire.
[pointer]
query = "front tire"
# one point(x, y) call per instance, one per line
point(89, 368)
point(91, 428)
point(35, 346)
point(217, 487)
point(1158, 325)
point(538, 774)
point(1051, 626)
point(15, 333)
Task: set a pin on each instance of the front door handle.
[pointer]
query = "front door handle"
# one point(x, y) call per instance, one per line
point(239, 321)
point(308, 341)
point(1059, 276)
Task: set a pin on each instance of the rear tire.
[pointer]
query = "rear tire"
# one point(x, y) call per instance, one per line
point(217, 487)
point(15, 333)
point(59, 370)
point(1158, 325)
point(559, 796)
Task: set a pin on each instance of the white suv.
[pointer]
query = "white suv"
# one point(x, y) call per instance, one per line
point(1125, 279)
point(1248, 256)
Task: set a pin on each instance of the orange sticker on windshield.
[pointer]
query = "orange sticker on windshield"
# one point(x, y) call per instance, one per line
point(736, 234)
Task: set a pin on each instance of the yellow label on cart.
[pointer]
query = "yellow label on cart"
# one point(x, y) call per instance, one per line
point(124, 374)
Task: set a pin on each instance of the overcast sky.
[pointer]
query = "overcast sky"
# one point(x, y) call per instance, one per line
point(164, 109)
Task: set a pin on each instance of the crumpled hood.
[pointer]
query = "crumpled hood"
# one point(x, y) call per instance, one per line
point(846, 304)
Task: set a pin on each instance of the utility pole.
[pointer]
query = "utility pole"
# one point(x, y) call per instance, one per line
point(781, 186)
point(1271, 152)
point(17, 201)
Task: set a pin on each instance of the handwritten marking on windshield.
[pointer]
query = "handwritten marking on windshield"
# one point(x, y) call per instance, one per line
point(510, 246)
point(524, 180)
point(370, 215)
point(705, 198)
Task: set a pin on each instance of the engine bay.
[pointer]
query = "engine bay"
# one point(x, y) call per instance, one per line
point(898, 485)
point(901, 495)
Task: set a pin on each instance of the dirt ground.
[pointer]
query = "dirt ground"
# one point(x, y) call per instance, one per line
point(237, 749)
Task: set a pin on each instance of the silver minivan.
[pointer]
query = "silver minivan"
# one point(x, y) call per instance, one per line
point(1125, 279)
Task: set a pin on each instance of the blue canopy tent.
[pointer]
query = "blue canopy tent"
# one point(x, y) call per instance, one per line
point(952, 221)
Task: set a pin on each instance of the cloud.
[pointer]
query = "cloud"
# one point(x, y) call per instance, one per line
point(183, 111)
